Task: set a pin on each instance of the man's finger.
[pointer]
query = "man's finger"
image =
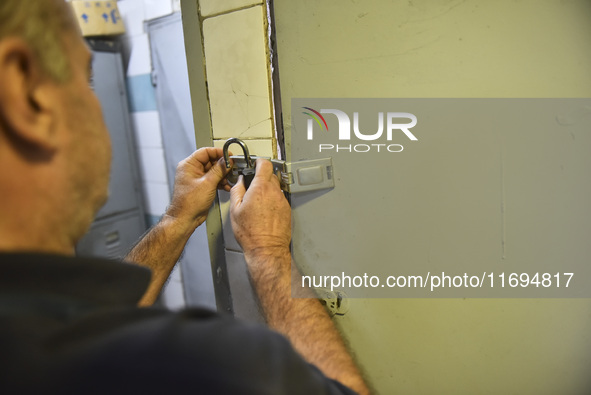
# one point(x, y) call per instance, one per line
point(217, 172)
point(206, 155)
point(237, 193)
point(264, 170)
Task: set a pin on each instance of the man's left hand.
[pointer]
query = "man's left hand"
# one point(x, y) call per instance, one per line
point(196, 181)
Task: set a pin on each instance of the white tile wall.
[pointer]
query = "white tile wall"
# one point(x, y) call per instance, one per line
point(132, 12)
point(172, 292)
point(258, 147)
point(262, 129)
point(210, 7)
point(157, 8)
point(157, 197)
point(147, 127)
point(139, 59)
point(152, 164)
point(236, 66)
point(146, 124)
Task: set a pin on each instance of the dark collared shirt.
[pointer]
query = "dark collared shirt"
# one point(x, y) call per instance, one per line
point(70, 326)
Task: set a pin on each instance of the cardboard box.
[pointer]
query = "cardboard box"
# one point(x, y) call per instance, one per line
point(98, 18)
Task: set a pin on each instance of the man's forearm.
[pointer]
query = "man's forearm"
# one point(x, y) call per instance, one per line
point(159, 250)
point(302, 319)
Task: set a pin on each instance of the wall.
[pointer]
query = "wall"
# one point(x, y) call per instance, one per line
point(142, 100)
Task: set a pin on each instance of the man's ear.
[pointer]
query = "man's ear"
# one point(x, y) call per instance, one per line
point(26, 109)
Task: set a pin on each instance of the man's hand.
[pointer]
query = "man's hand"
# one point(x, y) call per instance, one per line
point(196, 181)
point(195, 184)
point(261, 221)
point(261, 216)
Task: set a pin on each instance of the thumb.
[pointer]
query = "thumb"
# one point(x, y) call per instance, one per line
point(217, 172)
point(237, 193)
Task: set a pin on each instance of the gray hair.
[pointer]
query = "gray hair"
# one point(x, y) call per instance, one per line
point(42, 24)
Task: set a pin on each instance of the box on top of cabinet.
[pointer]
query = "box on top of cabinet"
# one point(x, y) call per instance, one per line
point(98, 18)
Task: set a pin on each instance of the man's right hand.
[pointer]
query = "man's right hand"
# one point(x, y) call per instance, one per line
point(261, 221)
point(261, 215)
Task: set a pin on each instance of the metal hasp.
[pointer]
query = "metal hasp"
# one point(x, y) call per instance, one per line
point(309, 175)
point(300, 176)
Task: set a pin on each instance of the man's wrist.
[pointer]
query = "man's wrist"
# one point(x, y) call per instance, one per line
point(260, 259)
point(267, 252)
point(178, 226)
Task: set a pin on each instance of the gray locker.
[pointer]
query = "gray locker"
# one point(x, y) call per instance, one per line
point(120, 222)
point(109, 85)
point(112, 237)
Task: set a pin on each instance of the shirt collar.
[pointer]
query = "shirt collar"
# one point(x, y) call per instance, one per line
point(90, 280)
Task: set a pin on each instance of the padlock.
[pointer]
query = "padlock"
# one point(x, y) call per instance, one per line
point(247, 172)
point(294, 177)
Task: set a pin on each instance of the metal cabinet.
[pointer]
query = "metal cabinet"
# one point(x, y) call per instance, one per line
point(121, 221)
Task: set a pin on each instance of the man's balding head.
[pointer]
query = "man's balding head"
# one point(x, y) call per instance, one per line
point(42, 24)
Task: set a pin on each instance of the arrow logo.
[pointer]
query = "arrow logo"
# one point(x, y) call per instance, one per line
point(106, 17)
point(85, 17)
